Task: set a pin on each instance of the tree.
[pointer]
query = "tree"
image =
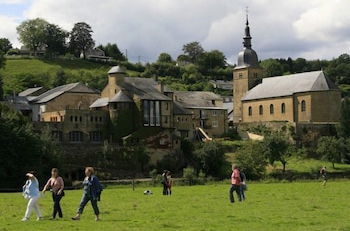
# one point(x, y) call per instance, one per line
point(2, 64)
point(164, 58)
point(211, 60)
point(5, 45)
point(272, 67)
point(275, 148)
point(32, 33)
point(251, 161)
point(81, 39)
point(330, 148)
point(194, 50)
point(344, 126)
point(55, 39)
point(113, 51)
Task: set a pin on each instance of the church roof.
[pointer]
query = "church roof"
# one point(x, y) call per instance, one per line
point(121, 97)
point(290, 84)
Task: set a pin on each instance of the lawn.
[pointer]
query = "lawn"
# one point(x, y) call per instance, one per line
point(276, 206)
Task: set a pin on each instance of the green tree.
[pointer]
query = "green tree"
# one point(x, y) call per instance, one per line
point(55, 40)
point(193, 50)
point(112, 50)
point(272, 67)
point(211, 60)
point(164, 58)
point(344, 126)
point(32, 33)
point(60, 78)
point(2, 64)
point(251, 161)
point(330, 148)
point(5, 45)
point(81, 39)
point(275, 147)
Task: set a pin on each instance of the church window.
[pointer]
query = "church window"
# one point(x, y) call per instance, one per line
point(271, 109)
point(261, 110)
point(283, 108)
point(303, 105)
point(250, 111)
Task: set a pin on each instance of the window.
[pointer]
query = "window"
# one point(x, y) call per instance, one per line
point(76, 136)
point(215, 123)
point(80, 118)
point(57, 136)
point(151, 113)
point(303, 105)
point(202, 114)
point(240, 75)
point(215, 113)
point(261, 110)
point(146, 113)
point(95, 136)
point(272, 110)
point(100, 119)
point(91, 119)
point(96, 118)
point(165, 119)
point(250, 111)
point(213, 101)
point(283, 108)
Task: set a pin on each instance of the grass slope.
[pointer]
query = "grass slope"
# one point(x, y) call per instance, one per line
point(288, 206)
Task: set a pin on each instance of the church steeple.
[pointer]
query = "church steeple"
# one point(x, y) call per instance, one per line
point(247, 38)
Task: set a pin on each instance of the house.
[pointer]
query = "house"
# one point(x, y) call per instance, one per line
point(222, 84)
point(96, 54)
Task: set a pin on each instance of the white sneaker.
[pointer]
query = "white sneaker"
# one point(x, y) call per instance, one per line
point(39, 218)
point(25, 219)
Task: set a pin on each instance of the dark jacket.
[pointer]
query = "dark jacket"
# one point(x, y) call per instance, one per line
point(92, 187)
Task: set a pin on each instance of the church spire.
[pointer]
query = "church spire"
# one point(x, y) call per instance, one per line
point(247, 38)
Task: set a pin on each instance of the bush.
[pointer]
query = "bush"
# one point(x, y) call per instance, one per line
point(251, 160)
point(189, 174)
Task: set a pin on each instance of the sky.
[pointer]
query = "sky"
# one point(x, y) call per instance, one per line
point(312, 29)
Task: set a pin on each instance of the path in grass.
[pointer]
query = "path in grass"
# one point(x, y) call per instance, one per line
point(288, 206)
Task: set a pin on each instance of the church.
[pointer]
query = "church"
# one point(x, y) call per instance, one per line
point(303, 98)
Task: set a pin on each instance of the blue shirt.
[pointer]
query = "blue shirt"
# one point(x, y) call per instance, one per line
point(31, 188)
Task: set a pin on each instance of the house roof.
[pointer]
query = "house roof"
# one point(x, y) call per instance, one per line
point(20, 103)
point(57, 91)
point(29, 91)
point(117, 69)
point(121, 97)
point(145, 88)
point(290, 84)
point(101, 102)
point(180, 110)
point(196, 99)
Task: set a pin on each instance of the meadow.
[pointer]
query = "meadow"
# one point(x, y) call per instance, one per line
point(269, 206)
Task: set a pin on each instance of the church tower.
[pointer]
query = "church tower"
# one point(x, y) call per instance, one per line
point(246, 75)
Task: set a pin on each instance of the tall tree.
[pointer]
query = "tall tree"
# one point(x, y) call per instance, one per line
point(32, 33)
point(211, 60)
point(55, 39)
point(272, 67)
point(112, 50)
point(81, 39)
point(164, 58)
point(194, 50)
point(330, 148)
point(5, 45)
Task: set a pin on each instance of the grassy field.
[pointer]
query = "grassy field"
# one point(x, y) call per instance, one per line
point(283, 206)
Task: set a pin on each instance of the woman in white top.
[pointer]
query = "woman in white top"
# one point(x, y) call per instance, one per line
point(32, 194)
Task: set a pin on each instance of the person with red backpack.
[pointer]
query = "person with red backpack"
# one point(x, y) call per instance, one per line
point(235, 184)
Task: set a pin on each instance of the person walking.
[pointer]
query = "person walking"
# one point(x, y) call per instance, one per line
point(235, 184)
point(91, 192)
point(31, 193)
point(56, 184)
point(323, 173)
point(170, 182)
point(165, 183)
point(243, 186)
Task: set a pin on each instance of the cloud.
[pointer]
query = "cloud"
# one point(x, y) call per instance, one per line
point(8, 29)
point(313, 28)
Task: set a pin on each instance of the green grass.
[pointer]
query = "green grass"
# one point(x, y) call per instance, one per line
point(289, 206)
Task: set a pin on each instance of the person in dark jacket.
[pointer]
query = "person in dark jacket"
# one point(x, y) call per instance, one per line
point(92, 192)
point(165, 182)
point(243, 186)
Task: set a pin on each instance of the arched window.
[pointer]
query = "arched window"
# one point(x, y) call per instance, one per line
point(283, 108)
point(261, 110)
point(272, 110)
point(250, 111)
point(303, 105)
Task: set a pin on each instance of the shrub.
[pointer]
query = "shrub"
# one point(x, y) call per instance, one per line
point(189, 174)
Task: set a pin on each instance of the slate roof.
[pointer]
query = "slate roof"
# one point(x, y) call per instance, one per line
point(145, 88)
point(180, 110)
point(121, 97)
point(29, 91)
point(101, 102)
point(290, 84)
point(57, 91)
point(197, 99)
point(20, 103)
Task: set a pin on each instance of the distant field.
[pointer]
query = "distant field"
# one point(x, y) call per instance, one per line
point(289, 206)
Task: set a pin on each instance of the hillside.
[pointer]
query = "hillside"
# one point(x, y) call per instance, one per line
point(21, 73)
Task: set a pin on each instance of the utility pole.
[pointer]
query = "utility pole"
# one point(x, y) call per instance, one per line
point(126, 54)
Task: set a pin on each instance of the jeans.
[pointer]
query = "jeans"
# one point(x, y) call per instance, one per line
point(84, 200)
point(56, 205)
point(165, 189)
point(235, 188)
point(33, 204)
point(242, 189)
